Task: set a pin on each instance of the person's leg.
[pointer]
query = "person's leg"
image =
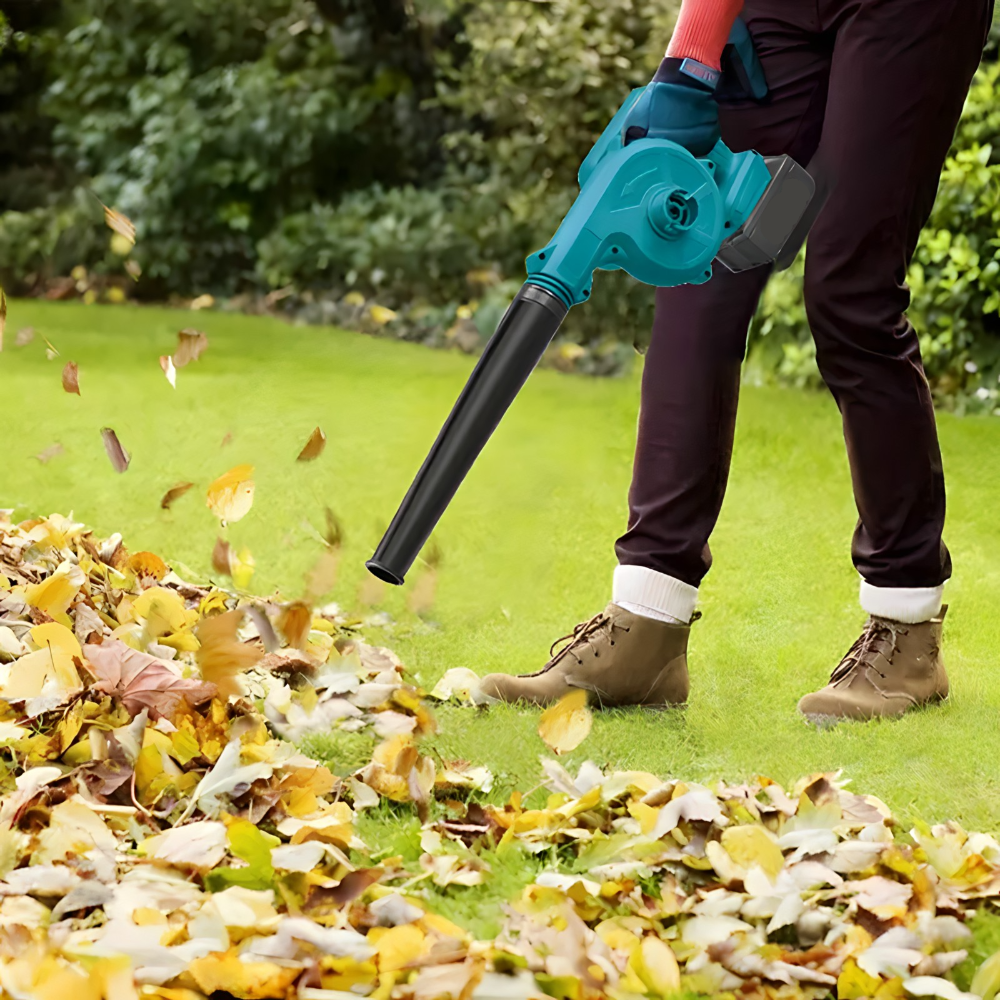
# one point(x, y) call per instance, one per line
point(900, 74)
point(691, 376)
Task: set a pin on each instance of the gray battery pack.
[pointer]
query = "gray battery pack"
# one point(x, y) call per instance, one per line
point(782, 217)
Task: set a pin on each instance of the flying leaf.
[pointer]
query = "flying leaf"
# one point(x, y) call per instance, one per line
point(24, 336)
point(71, 377)
point(333, 535)
point(222, 656)
point(119, 223)
point(295, 622)
point(230, 497)
point(322, 577)
point(47, 454)
point(174, 493)
point(313, 447)
point(50, 352)
point(143, 681)
point(566, 724)
point(167, 364)
point(134, 269)
point(205, 301)
point(119, 457)
point(191, 344)
point(3, 316)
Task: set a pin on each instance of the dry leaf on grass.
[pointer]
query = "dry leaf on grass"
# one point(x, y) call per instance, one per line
point(191, 345)
point(230, 497)
point(566, 724)
point(174, 493)
point(313, 447)
point(222, 655)
point(47, 454)
point(142, 681)
point(118, 223)
point(119, 457)
point(71, 377)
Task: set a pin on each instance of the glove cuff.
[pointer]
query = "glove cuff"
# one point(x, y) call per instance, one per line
point(689, 73)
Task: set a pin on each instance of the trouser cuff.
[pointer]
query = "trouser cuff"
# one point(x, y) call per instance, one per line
point(910, 605)
point(646, 588)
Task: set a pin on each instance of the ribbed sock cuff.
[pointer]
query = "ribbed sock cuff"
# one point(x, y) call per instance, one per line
point(910, 605)
point(702, 30)
point(644, 588)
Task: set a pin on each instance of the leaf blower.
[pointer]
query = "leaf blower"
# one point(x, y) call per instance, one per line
point(650, 208)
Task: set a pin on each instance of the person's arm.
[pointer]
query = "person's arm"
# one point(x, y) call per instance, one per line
point(702, 29)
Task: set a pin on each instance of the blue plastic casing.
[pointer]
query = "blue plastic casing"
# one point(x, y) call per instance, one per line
point(651, 209)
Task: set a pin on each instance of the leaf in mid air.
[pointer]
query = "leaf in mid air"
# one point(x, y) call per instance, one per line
point(119, 457)
point(120, 224)
point(566, 724)
point(71, 378)
point(222, 655)
point(313, 447)
point(230, 497)
point(174, 493)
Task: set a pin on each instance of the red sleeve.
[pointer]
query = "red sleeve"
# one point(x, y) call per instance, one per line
point(702, 29)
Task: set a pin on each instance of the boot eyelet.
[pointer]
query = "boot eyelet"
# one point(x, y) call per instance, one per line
point(612, 642)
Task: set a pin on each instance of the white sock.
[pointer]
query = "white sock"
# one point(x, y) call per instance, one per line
point(655, 595)
point(910, 605)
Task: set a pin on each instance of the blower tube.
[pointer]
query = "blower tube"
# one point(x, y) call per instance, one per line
point(524, 333)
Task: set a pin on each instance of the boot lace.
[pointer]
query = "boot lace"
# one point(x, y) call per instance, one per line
point(880, 636)
point(583, 635)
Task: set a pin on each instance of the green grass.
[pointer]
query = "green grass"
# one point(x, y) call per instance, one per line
point(528, 543)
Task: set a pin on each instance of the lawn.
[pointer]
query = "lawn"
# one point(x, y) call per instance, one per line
point(528, 544)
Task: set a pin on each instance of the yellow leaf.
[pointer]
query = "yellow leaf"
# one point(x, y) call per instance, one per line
point(655, 964)
point(753, 845)
point(853, 983)
point(227, 972)
point(355, 299)
point(381, 315)
point(399, 946)
point(566, 724)
point(222, 656)
point(986, 982)
point(230, 497)
point(54, 595)
point(166, 607)
point(121, 246)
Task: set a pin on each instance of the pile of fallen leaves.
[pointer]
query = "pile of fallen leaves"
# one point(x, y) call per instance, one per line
point(161, 835)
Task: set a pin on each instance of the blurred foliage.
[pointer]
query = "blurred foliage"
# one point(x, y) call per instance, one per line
point(407, 151)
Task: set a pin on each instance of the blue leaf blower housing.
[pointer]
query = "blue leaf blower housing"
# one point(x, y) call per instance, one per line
point(648, 207)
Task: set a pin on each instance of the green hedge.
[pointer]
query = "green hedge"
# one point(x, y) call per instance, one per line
point(397, 149)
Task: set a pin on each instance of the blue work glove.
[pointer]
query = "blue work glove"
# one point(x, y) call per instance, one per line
point(678, 107)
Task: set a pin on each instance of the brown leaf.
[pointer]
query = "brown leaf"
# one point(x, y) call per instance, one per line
point(71, 378)
point(3, 316)
point(295, 622)
point(191, 344)
point(322, 577)
point(119, 223)
point(352, 885)
point(421, 597)
point(46, 455)
point(334, 533)
point(222, 656)
point(221, 557)
point(313, 447)
point(119, 457)
point(24, 336)
point(133, 269)
point(142, 681)
point(228, 439)
point(174, 493)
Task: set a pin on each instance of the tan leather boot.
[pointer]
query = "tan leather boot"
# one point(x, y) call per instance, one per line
point(890, 669)
point(618, 657)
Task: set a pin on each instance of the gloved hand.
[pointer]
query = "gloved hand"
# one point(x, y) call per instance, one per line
point(677, 107)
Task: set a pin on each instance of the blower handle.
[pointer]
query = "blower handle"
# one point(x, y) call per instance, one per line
point(526, 330)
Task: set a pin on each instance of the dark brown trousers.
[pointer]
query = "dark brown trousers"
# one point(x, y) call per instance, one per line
point(869, 93)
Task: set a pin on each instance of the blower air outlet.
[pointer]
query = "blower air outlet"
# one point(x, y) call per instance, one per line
point(673, 213)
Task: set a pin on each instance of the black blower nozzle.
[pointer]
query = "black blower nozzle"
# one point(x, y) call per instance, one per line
point(526, 330)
